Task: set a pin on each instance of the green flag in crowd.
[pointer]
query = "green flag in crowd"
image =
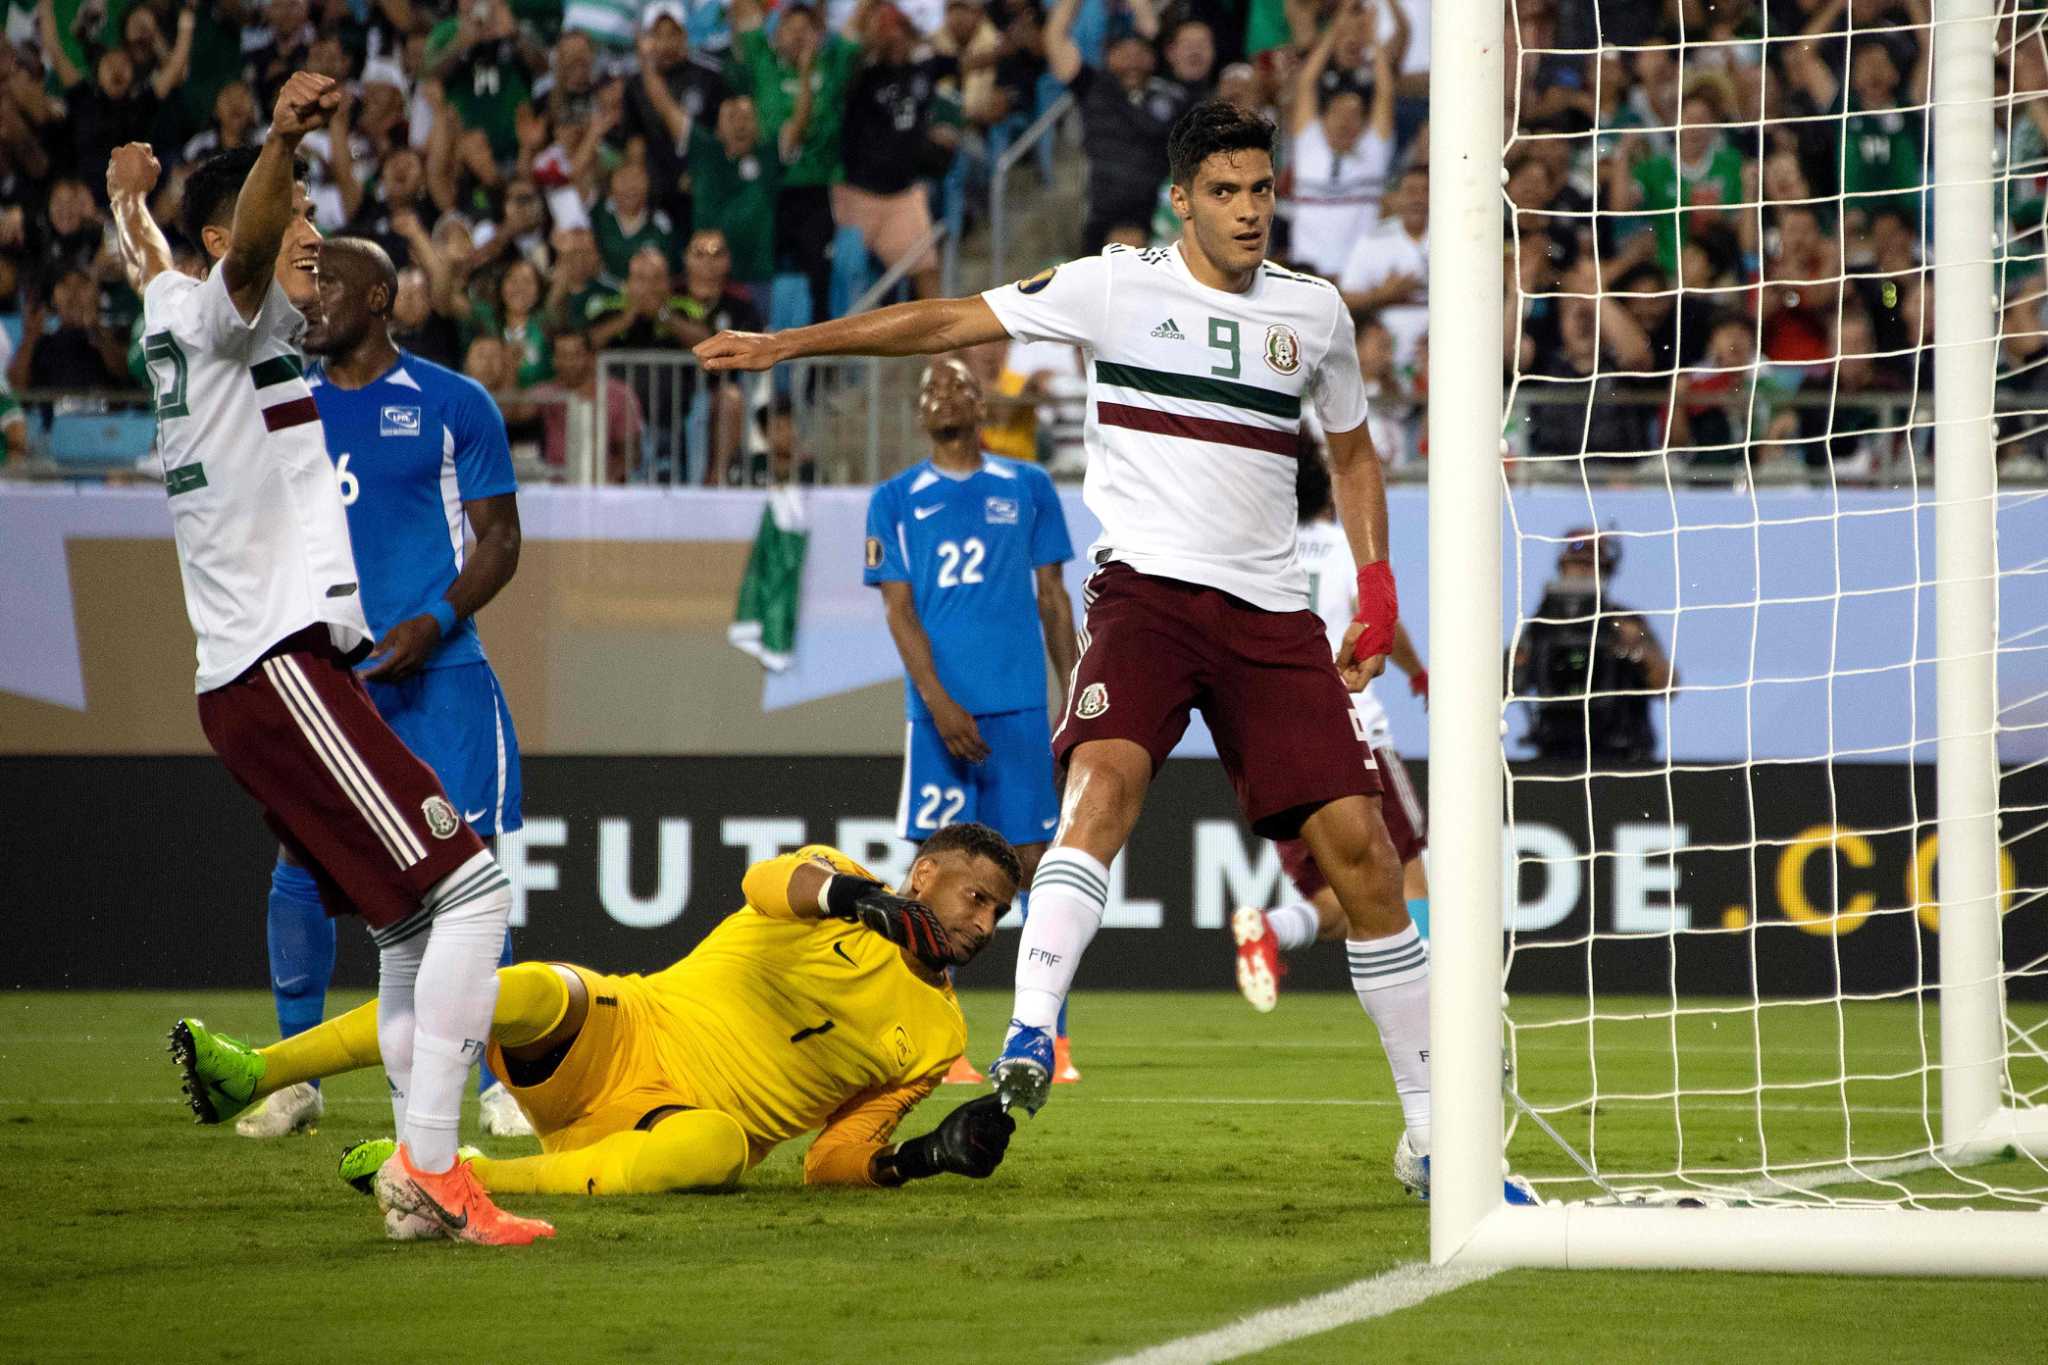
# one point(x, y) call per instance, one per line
point(764, 622)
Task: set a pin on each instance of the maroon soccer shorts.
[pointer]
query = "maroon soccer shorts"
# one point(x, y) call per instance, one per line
point(1153, 649)
point(1406, 827)
point(339, 790)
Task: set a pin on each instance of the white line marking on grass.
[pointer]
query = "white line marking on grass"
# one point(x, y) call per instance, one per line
point(1402, 1287)
point(1732, 1106)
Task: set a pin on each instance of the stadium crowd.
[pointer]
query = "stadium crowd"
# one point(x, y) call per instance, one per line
point(559, 177)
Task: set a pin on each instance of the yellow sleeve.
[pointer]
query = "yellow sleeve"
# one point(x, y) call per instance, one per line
point(766, 885)
point(844, 1153)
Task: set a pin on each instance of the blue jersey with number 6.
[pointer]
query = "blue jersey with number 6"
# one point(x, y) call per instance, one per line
point(968, 548)
point(409, 449)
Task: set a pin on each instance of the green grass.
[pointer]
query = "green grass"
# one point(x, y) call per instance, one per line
point(1211, 1164)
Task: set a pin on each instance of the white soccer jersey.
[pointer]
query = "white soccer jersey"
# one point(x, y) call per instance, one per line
point(1195, 399)
point(1333, 595)
point(262, 538)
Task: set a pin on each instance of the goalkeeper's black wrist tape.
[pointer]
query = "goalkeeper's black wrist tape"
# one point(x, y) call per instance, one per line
point(840, 896)
point(911, 1160)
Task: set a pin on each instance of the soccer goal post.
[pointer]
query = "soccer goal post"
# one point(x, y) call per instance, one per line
point(1841, 1065)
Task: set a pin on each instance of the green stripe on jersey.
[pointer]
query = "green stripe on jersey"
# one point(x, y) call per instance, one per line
point(184, 479)
point(1248, 396)
point(276, 370)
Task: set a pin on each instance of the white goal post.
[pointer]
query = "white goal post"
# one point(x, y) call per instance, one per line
point(1974, 1116)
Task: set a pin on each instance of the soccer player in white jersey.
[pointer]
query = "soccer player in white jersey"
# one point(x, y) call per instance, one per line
point(1263, 935)
point(270, 586)
point(1200, 354)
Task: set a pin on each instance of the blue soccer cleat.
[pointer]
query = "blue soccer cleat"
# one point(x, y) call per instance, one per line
point(1412, 1170)
point(1022, 1075)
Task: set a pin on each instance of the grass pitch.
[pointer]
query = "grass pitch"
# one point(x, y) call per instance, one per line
point(1212, 1163)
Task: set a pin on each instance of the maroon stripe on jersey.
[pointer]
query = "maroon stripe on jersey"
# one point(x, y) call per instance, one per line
point(296, 413)
point(1197, 428)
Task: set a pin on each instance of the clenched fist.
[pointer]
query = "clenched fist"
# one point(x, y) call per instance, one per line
point(133, 171)
point(306, 103)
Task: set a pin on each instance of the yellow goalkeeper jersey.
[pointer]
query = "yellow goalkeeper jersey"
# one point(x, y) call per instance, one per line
point(790, 1025)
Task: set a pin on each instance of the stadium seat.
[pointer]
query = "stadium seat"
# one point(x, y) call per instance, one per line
point(101, 439)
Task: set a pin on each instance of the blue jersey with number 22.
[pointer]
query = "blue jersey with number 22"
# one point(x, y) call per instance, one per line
point(409, 449)
point(968, 548)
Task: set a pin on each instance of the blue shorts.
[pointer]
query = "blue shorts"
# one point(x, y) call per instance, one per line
point(455, 720)
point(1010, 790)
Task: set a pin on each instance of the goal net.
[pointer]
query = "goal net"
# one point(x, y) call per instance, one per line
point(1773, 571)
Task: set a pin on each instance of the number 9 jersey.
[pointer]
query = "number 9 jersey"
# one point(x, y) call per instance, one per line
point(968, 547)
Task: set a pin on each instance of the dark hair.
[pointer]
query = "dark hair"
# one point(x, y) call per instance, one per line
point(976, 841)
point(1210, 127)
point(1311, 481)
point(213, 187)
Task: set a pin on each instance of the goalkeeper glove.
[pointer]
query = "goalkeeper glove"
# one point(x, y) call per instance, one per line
point(970, 1141)
point(1378, 609)
point(906, 923)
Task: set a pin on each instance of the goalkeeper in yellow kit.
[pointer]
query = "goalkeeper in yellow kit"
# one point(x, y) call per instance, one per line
point(823, 1003)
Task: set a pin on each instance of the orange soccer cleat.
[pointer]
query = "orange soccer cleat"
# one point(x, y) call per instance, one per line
point(455, 1199)
point(963, 1073)
point(1063, 1069)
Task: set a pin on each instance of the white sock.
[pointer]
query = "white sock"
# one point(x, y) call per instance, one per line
point(1067, 896)
point(457, 991)
point(1391, 976)
point(1294, 926)
point(398, 968)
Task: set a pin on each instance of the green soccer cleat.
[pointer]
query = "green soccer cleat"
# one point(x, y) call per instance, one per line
point(360, 1161)
point(221, 1074)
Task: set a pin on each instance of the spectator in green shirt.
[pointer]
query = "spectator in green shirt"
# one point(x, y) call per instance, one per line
point(514, 315)
point(13, 425)
point(734, 176)
point(625, 223)
point(798, 81)
point(1698, 185)
point(485, 61)
point(578, 287)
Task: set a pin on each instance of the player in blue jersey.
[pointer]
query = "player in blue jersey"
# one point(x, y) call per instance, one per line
point(967, 550)
point(417, 449)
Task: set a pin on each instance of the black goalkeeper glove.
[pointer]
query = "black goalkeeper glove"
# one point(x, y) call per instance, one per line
point(906, 923)
point(970, 1141)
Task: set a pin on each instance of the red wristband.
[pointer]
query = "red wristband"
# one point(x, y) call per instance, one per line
point(1418, 683)
point(1378, 609)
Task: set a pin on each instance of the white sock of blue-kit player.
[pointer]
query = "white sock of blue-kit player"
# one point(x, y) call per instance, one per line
point(453, 1000)
point(1391, 976)
point(1067, 896)
point(1293, 926)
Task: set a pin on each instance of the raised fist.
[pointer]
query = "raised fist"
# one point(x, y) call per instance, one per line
point(306, 103)
point(133, 170)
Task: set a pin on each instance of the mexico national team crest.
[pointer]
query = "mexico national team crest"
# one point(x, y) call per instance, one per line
point(1094, 701)
point(1283, 349)
point(441, 819)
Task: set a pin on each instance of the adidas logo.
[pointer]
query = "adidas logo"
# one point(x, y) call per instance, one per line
point(1166, 331)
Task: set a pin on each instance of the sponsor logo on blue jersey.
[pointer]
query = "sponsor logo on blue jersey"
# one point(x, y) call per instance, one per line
point(396, 420)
